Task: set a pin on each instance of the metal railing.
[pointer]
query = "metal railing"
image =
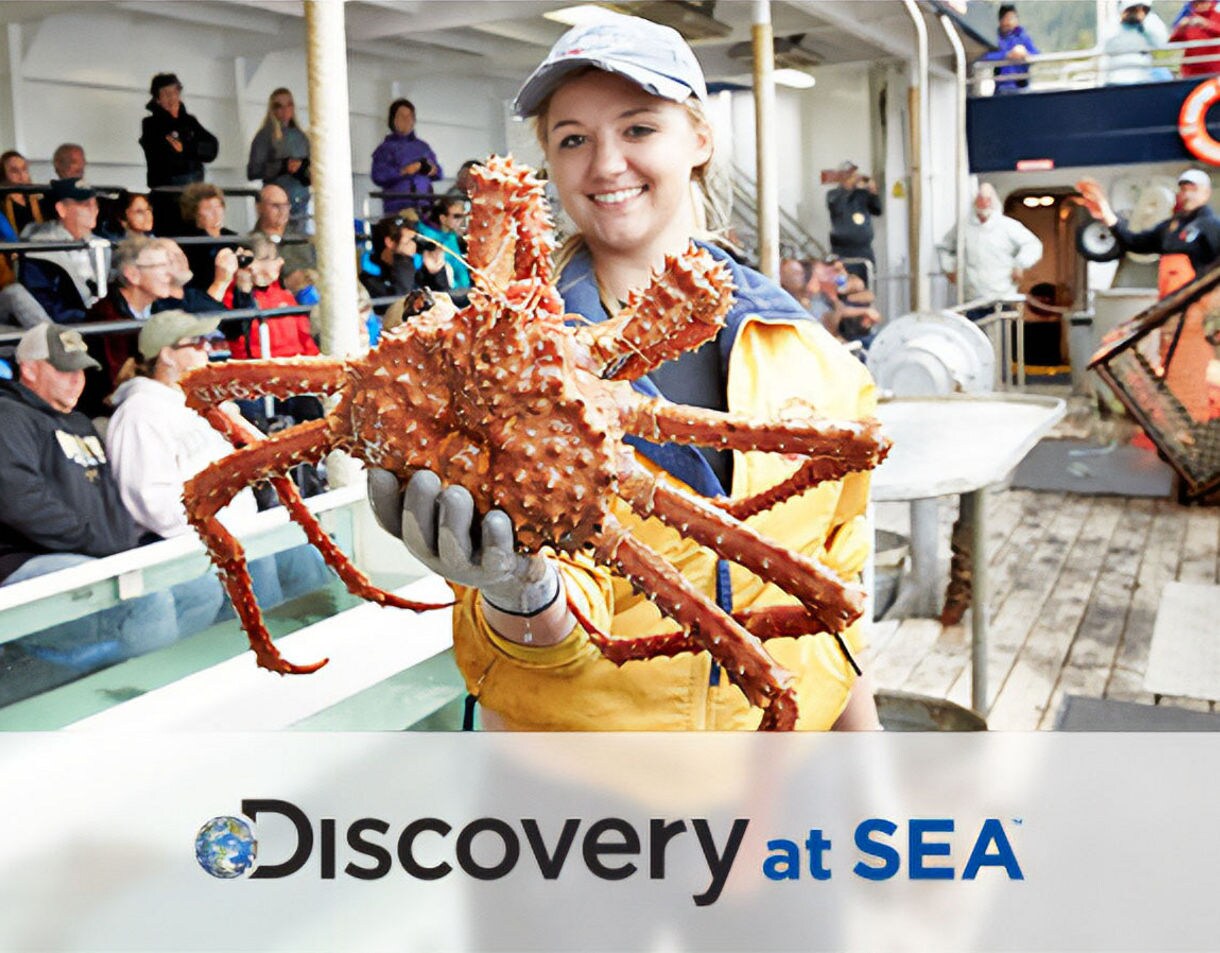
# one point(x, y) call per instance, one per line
point(1004, 324)
point(1083, 69)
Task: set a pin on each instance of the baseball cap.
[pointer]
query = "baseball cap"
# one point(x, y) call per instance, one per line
point(73, 190)
point(653, 56)
point(1196, 177)
point(63, 348)
point(847, 166)
point(1129, 4)
point(166, 328)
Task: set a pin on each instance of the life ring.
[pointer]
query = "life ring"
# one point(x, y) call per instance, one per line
point(1192, 121)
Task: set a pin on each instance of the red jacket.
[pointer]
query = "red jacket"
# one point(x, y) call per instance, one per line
point(288, 335)
point(1199, 27)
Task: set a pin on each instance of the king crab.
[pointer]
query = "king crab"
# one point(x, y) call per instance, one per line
point(528, 413)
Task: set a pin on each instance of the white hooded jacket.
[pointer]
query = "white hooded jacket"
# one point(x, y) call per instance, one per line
point(156, 443)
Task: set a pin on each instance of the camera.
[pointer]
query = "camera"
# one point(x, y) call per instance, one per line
point(424, 245)
point(245, 258)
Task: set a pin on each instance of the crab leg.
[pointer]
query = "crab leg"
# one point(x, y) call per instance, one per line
point(245, 380)
point(509, 228)
point(241, 434)
point(681, 309)
point(764, 683)
point(831, 602)
point(835, 448)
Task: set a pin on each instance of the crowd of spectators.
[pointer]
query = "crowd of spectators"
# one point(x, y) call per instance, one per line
point(98, 441)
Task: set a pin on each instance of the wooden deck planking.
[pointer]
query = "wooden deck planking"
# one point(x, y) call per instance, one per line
point(1075, 584)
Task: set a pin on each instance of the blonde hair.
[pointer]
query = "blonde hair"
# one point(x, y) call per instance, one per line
point(269, 120)
point(707, 205)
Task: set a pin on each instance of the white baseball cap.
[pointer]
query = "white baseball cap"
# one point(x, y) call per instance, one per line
point(653, 56)
point(1196, 177)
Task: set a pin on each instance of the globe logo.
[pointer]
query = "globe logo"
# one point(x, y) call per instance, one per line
point(225, 847)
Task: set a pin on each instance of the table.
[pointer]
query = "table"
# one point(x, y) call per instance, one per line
point(956, 446)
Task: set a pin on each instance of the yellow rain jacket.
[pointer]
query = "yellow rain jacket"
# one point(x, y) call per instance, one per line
point(571, 687)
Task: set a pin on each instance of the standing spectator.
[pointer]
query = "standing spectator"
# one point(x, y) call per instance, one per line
point(852, 204)
point(202, 207)
point(404, 162)
point(274, 208)
point(279, 153)
point(175, 145)
point(64, 282)
point(1014, 45)
point(143, 273)
point(68, 161)
point(1202, 22)
point(20, 208)
point(1129, 51)
point(59, 506)
point(998, 249)
point(449, 213)
point(463, 183)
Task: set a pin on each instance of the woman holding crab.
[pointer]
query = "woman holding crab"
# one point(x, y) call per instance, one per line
point(619, 112)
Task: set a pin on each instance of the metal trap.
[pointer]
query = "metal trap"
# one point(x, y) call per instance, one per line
point(1157, 365)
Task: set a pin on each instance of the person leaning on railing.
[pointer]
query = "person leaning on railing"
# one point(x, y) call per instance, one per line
point(1201, 22)
point(1015, 46)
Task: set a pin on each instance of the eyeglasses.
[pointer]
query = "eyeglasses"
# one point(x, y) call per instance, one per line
point(199, 343)
point(151, 265)
point(278, 204)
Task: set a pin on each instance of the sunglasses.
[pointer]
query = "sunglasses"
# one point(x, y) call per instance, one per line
point(191, 343)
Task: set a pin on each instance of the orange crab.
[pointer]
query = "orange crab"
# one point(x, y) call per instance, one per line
point(528, 412)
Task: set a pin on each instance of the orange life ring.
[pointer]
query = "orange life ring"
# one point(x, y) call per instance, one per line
point(1192, 121)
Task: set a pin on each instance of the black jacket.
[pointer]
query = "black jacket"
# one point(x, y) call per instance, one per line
point(1196, 235)
point(397, 279)
point(167, 166)
point(57, 494)
point(851, 217)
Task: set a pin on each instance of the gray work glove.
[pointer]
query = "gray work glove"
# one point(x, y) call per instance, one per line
point(436, 523)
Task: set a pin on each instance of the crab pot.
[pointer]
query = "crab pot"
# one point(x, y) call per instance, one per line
point(1164, 366)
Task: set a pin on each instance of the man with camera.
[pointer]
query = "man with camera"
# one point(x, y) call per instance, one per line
point(403, 261)
point(852, 203)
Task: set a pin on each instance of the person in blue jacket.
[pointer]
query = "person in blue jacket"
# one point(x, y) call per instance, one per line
point(404, 162)
point(1015, 45)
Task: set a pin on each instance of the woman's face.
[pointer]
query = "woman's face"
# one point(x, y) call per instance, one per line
point(17, 171)
point(169, 98)
point(622, 161)
point(283, 108)
point(210, 215)
point(139, 216)
point(404, 120)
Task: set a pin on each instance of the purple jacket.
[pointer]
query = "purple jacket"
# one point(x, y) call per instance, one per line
point(395, 152)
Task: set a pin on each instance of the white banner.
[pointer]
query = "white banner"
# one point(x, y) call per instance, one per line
point(485, 842)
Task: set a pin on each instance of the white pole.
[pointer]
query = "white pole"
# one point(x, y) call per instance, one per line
point(331, 165)
point(961, 169)
point(919, 178)
point(764, 129)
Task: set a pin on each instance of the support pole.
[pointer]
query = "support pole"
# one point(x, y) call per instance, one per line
point(331, 166)
point(764, 133)
point(919, 164)
point(961, 169)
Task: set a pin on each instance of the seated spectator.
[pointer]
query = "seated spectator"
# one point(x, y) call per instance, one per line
point(20, 208)
point(1202, 22)
point(449, 214)
point(404, 162)
point(142, 277)
point(203, 213)
point(133, 216)
point(463, 182)
point(390, 270)
point(794, 276)
point(60, 507)
point(1128, 52)
point(1015, 46)
point(64, 282)
point(156, 443)
point(259, 286)
point(829, 289)
point(274, 208)
point(279, 154)
point(434, 271)
point(68, 161)
point(187, 297)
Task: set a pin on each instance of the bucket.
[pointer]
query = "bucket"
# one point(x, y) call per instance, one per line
point(890, 551)
point(904, 711)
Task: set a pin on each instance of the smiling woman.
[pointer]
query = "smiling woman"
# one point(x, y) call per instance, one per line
point(619, 112)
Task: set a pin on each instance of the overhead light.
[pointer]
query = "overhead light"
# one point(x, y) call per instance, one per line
point(580, 15)
point(694, 19)
point(789, 52)
point(794, 78)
